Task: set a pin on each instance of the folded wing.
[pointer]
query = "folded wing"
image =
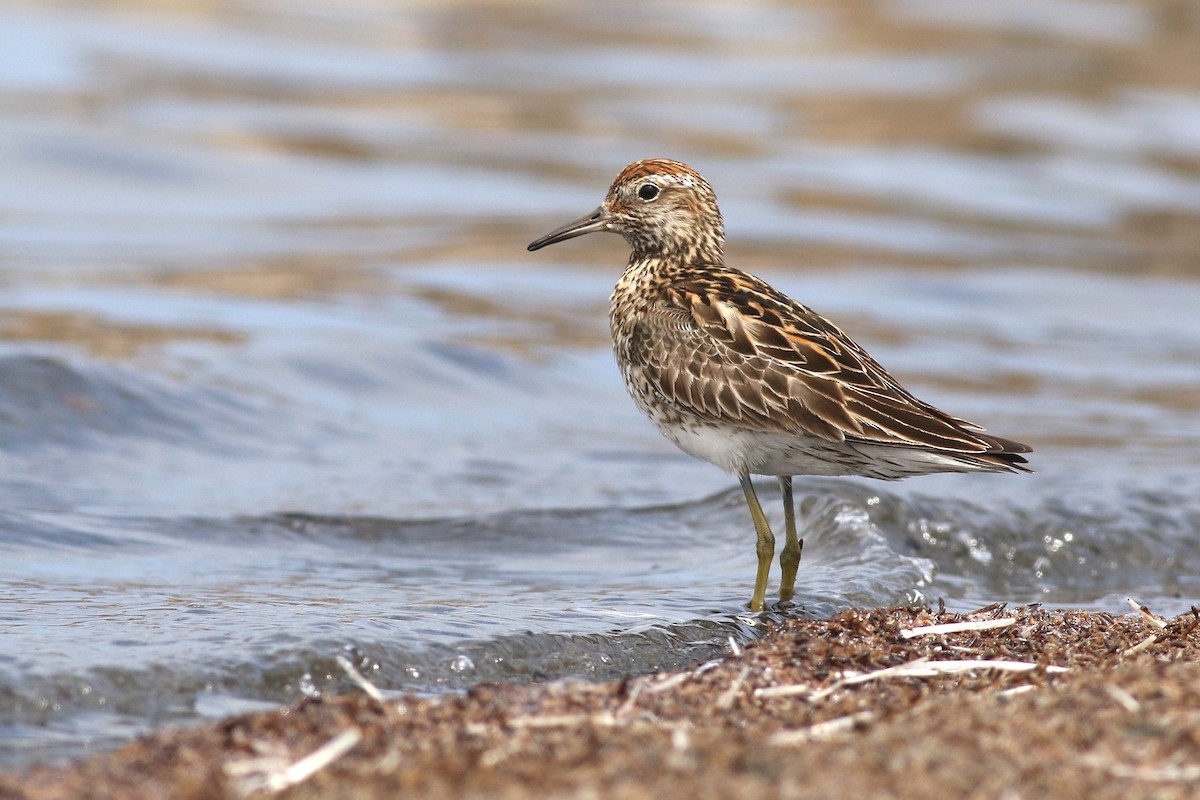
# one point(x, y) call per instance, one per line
point(730, 348)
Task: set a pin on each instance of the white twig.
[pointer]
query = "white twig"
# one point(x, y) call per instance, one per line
point(1016, 690)
point(923, 668)
point(1145, 614)
point(821, 730)
point(1171, 773)
point(1137, 648)
point(634, 693)
point(275, 775)
point(955, 627)
point(786, 690)
point(602, 719)
point(369, 689)
point(919, 668)
point(729, 695)
point(669, 682)
point(563, 720)
point(1123, 698)
point(735, 648)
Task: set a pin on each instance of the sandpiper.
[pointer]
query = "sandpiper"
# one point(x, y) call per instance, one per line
point(737, 373)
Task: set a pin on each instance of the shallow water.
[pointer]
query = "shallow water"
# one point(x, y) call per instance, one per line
point(279, 382)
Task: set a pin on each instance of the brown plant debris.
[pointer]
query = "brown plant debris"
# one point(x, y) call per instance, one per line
point(1047, 704)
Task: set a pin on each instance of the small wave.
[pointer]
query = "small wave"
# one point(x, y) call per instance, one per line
point(52, 401)
point(1059, 549)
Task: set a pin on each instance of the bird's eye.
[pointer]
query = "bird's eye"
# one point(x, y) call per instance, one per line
point(648, 191)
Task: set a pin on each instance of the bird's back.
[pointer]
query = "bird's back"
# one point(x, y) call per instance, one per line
point(710, 351)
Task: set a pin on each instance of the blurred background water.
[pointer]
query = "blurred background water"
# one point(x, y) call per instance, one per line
point(279, 382)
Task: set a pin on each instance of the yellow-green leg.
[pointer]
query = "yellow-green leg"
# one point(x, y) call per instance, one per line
point(789, 557)
point(765, 547)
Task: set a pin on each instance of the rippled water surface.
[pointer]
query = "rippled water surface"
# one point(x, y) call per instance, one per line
point(279, 382)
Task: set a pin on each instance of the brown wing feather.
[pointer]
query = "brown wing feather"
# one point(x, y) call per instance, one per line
point(728, 347)
point(695, 369)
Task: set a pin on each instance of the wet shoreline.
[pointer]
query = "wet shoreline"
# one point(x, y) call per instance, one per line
point(1050, 704)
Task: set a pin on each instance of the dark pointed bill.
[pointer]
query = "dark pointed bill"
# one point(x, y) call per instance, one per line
point(595, 221)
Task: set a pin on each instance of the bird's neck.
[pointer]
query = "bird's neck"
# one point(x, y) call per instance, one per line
point(693, 251)
point(650, 276)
